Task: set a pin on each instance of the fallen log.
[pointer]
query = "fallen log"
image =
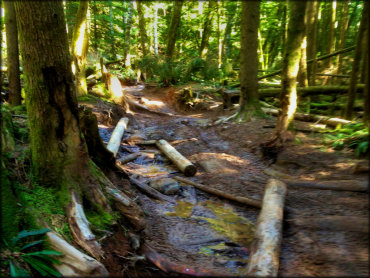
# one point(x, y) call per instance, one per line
point(116, 137)
point(304, 117)
point(138, 106)
point(219, 193)
point(128, 158)
point(151, 191)
point(80, 228)
point(147, 142)
point(265, 248)
point(333, 223)
point(337, 185)
point(74, 262)
point(178, 159)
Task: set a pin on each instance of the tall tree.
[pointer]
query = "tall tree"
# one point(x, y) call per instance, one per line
point(342, 32)
point(292, 53)
point(312, 29)
point(128, 23)
point(13, 54)
point(356, 61)
point(80, 44)
point(250, 18)
point(207, 27)
point(331, 42)
point(172, 33)
point(114, 54)
point(155, 29)
point(226, 45)
point(142, 26)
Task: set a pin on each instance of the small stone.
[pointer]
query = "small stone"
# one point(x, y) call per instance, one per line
point(166, 186)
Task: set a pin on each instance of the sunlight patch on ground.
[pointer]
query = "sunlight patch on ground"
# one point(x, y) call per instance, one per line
point(148, 102)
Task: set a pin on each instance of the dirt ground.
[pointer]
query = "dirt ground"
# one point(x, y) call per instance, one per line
point(206, 235)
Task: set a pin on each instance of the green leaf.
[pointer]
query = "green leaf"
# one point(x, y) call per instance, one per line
point(35, 265)
point(44, 252)
point(31, 244)
point(26, 233)
point(42, 267)
point(49, 258)
point(17, 271)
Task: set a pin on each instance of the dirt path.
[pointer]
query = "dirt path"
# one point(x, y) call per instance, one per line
point(211, 236)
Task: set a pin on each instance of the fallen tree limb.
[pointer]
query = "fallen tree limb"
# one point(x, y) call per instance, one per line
point(338, 185)
point(80, 228)
point(138, 106)
point(128, 158)
point(312, 118)
point(265, 249)
point(219, 193)
point(178, 159)
point(151, 191)
point(116, 137)
point(147, 142)
point(74, 262)
point(333, 223)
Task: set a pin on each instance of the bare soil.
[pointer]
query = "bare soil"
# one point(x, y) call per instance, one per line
point(207, 235)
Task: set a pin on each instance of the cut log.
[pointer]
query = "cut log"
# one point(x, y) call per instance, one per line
point(304, 117)
point(116, 137)
point(128, 158)
point(178, 159)
point(80, 228)
point(74, 262)
point(265, 248)
point(219, 193)
point(338, 185)
point(333, 223)
point(147, 142)
point(141, 107)
point(151, 191)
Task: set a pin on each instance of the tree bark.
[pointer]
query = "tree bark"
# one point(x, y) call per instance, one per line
point(356, 61)
point(80, 43)
point(366, 89)
point(116, 137)
point(155, 29)
point(114, 56)
point(172, 33)
point(128, 32)
point(342, 33)
point(312, 28)
point(207, 27)
point(178, 159)
point(265, 249)
point(225, 50)
point(288, 97)
point(249, 103)
point(142, 27)
point(331, 42)
point(13, 54)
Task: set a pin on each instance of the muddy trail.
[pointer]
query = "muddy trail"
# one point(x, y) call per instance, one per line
point(198, 233)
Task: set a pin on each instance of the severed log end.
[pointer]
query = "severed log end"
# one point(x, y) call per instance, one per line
point(190, 170)
point(80, 228)
point(74, 262)
point(265, 249)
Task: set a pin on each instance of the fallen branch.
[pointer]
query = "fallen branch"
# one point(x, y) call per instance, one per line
point(147, 142)
point(333, 223)
point(143, 108)
point(338, 185)
point(219, 193)
point(80, 228)
point(116, 137)
point(74, 262)
point(128, 158)
point(178, 159)
point(265, 248)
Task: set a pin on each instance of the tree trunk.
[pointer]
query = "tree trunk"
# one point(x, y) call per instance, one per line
point(331, 42)
point(114, 57)
point(249, 103)
point(142, 27)
point(172, 33)
point(265, 249)
point(302, 72)
point(356, 61)
point(13, 54)
point(312, 24)
point(95, 28)
point(288, 97)
point(225, 48)
point(129, 21)
point(342, 33)
point(80, 43)
point(366, 89)
point(207, 27)
point(155, 29)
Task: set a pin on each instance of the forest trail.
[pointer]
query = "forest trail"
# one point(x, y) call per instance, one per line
point(205, 235)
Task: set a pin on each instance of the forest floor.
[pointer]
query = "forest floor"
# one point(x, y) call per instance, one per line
point(203, 234)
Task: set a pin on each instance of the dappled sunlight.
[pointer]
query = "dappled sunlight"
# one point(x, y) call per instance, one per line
point(80, 40)
point(151, 102)
point(116, 87)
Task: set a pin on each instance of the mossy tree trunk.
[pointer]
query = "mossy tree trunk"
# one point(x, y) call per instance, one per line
point(114, 54)
point(128, 21)
point(172, 33)
point(356, 61)
point(13, 54)
point(311, 50)
point(342, 33)
point(58, 151)
point(226, 45)
point(142, 30)
point(292, 53)
point(207, 27)
point(366, 88)
point(80, 44)
point(249, 103)
point(331, 41)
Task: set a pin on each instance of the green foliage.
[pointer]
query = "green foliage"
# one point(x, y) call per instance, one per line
point(25, 254)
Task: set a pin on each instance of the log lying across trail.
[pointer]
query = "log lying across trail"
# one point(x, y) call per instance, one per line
point(304, 117)
point(265, 249)
point(74, 262)
point(333, 223)
point(338, 185)
point(116, 137)
point(130, 157)
point(80, 228)
point(219, 193)
point(178, 159)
